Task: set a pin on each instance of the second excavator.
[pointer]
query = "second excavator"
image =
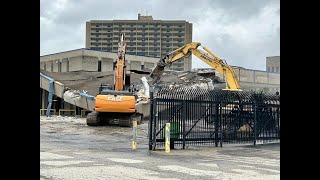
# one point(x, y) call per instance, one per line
point(206, 56)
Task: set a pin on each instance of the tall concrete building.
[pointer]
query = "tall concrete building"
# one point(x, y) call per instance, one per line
point(273, 64)
point(144, 37)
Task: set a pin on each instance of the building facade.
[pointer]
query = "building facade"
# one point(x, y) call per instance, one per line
point(92, 60)
point(144, 37)
point(273, 64)
point(258, 80)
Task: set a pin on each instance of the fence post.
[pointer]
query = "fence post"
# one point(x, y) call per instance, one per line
point(134, 132)
point(220, 123)
point(155, 119)
point(255, 125)
point(216, 125)
point(150, 119)
point(167, 137)
point(184, 123)
point(278, 122)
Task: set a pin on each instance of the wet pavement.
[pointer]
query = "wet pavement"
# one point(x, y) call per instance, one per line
point(69, 149)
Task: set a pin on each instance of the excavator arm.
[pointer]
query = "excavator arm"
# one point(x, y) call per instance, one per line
point(119, 79)
point(182, 52)
point(206, 56)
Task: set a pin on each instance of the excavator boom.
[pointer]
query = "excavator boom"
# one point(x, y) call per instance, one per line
point(119, 81)
point(206, 56)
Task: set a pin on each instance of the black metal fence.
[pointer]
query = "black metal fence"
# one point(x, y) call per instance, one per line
point(199, 117)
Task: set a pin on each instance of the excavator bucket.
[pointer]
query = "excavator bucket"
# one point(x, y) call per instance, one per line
point(156, 74)
point(157, 71)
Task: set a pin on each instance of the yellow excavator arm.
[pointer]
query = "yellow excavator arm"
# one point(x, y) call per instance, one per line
point(207, 56)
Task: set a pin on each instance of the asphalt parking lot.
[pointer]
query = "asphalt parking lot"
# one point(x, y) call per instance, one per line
point(69, 149)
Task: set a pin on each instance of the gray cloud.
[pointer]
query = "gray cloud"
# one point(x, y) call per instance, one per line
point(243, 32)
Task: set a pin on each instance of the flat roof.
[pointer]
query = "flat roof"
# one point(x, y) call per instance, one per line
point(144, 20)
point(63, 52)
point(93, 50)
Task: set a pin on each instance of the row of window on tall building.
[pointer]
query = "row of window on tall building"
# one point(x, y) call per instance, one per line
point(98, 24)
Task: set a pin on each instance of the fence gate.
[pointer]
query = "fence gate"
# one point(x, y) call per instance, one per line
point(200, 117)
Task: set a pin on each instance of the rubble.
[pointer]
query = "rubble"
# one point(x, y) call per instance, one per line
point(88, 82)
point(196, 79)
point(58, 118)
point(145, 86)
point(71, 95)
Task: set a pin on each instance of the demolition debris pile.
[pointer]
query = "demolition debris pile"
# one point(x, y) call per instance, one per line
point(196, 79)
point(88, 82)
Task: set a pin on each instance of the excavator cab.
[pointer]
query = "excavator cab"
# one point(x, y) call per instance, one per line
point(105, 87)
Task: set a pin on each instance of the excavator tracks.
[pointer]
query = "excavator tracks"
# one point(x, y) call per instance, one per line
point(124, 120)
point(93, 119)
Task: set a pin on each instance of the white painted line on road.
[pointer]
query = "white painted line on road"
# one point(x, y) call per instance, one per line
point(209, 165)
point(79, 153)
point(185, 170)
point(258, 168)
point(62, 163)
point(102, 172)
point(248, 160)
point(250, 174)
point(236, 174)
point(251, 158)
point(129, 161)
point(47, 155)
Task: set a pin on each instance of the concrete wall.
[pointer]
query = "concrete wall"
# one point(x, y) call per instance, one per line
point(257, 80)
point(135, 65)
point(269, 88)
point(64, 65)
point(56, 65)
point(261, 77)
point(128, 65)
point(246, 75)
point(149, 65)
point(43, 65)
point(106, 64)
point(90, 63)
point(49, 66)
point(75, 63)
point(274, 78)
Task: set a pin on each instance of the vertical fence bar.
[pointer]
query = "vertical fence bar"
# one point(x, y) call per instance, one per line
point(216, 125)
point(220, 123)
point(278, 122)
point(209, 120)
point(151, 119)
point(255, 124)
point(184, 124)
point(155, 121)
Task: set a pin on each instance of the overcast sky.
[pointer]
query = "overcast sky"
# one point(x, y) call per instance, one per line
point(243, 32)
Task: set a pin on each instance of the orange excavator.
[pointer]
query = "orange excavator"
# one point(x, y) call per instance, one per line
point(115, 104)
